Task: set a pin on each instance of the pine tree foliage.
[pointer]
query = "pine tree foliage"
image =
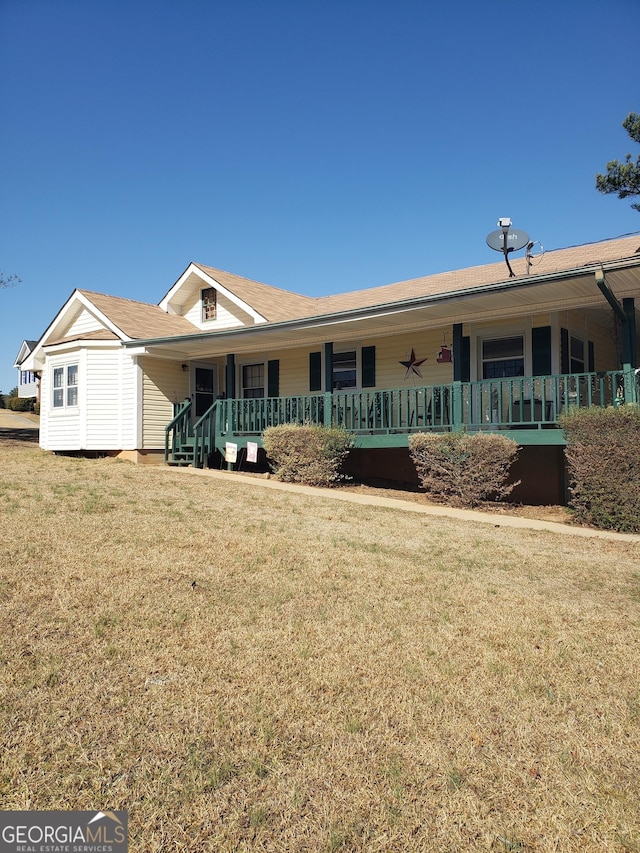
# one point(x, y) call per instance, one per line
point(623, 178)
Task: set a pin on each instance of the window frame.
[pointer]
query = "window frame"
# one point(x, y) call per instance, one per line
point(492, 339)
point(208, 304)
point(336, 383)
point(245, 387)
point(65, 393)
point(581, 359)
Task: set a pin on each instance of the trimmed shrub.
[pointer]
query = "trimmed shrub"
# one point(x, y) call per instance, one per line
point(463, 469)
point(306, 453)
point(20, 404)
point(603, 457)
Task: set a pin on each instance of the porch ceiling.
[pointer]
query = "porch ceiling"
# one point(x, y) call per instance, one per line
point(510, 299)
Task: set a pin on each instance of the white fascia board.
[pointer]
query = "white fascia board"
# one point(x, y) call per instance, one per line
point(81, 343)
point(36, 361)
point(170, 354)
point(166, 299)
point(75, 297)
point(210, 282)
point(30, 363)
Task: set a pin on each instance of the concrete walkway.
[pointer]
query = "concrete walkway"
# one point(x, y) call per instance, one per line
point(14, 420)
point(495, 519)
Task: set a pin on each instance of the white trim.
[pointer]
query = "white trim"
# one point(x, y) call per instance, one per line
point(37, 358)
point(138, 414)
point(349, 346)
point(192, 269)
point(507, 330)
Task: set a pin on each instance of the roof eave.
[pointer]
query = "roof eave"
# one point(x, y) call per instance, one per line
point(393, 307)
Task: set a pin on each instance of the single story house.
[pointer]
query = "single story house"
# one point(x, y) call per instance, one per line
point(221, 357)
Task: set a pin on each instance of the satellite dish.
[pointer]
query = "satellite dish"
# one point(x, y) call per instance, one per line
point(515, 240)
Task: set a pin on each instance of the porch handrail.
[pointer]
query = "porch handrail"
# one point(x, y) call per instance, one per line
point(177, 430)
point(532, 402)
point(204, 435)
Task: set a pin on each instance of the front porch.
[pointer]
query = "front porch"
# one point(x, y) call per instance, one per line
point(523, 408)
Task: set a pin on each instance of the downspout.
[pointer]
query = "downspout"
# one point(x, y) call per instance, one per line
point(626, 314)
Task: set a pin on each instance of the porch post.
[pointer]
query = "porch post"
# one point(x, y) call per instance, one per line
point(230, 376)
point(328, 383)
point(461, 373)
point(457, 352)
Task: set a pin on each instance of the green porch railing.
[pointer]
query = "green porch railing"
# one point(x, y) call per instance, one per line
point(516, 403)
point(205, 430)
point(178, 431)
point(511, 403)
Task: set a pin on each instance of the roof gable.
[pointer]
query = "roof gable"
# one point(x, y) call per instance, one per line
point(26, 348)
point(249, 302)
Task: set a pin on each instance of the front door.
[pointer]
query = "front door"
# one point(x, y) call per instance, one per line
point(204, 384)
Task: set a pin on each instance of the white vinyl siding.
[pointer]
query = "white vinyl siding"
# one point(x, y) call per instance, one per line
point(390, 373)
point(294, 371)
point(101, 420)
point(103, 406)
point(85, 322)
point(163, 384)
point(390, 351)
point(228, 315)
point(600, 333)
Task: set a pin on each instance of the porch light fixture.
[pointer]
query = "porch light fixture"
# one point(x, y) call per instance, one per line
point(184, 367)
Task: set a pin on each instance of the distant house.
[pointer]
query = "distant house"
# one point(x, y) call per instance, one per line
point(28, 385)
point(222, 357)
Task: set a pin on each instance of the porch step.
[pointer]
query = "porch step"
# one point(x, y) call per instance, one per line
point(184, 456)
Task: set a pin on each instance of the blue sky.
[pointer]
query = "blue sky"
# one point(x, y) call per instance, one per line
point(316, 146)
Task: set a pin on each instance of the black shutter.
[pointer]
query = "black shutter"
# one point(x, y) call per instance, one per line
point(592, 358)
point(541, 350)
point(328, 367)
point(368, 367)
point(564, 351)
point(465, 359)
point(315, 371)
point(273, 378)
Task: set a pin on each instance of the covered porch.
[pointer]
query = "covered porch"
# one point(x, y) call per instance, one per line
point(524, 408)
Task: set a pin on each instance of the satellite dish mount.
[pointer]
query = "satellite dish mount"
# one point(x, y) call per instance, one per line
point(506, 241)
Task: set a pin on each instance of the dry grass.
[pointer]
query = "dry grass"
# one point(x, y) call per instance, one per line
point(341, 678)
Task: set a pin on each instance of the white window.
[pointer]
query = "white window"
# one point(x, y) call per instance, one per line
point(344, 370)
point(576, 355)
point(252, 380)
point(65, 386)
point(209, 303)
point(502, 357)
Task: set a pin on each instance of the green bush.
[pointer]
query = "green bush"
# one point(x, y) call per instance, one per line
point(464, 469)
point(307, 454)
point(20, 404)
point(603, 457)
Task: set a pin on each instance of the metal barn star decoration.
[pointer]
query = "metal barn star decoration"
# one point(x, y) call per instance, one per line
point(413, 365)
